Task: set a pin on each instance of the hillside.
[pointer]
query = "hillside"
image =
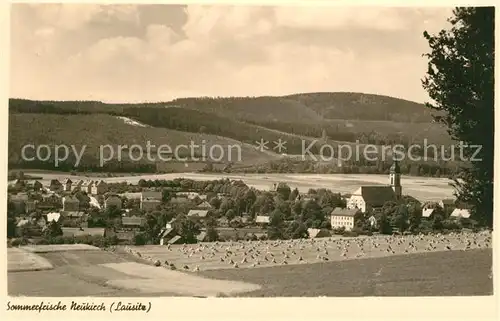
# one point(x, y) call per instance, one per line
point(98, 129)
point(332, 118)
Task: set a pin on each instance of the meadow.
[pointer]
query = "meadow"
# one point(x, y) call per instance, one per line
point(422, 188)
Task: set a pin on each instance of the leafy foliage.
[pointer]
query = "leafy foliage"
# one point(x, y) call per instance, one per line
point(460, 81)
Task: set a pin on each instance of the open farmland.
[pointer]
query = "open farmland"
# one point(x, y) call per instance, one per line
point(259, 254)
point(422, 188)
point(452, 273)
point(96, 272)
point(457, 264)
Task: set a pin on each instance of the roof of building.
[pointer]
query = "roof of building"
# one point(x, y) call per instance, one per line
point(19, 197)
point(166, 232)
point(67, 181)
point(204, 204)
point(101, 182)
point(73, 214)
point(427, 212)
point(53, 216)
point(76, 231)
point(133, 220)
point(151, 195)
point(344, 212)
point(113, 197)
point(70, 198)
point(201, 237)
point(22, 222)
point(199, 213)
point(376, 195)
point(174, 239)
point(262, 219)
point(458, 212)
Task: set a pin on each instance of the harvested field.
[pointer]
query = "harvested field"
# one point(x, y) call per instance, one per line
point(259, 254)
point(102, 273)
point(21, 260)
point(452, 273)
point(153, 280)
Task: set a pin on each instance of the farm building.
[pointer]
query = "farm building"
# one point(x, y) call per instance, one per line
point(74, 218)
point(460, 213)
point(343, 217)
point(133, 222)
point(175, 240)
point(166, 235)
point(262, 219)
point(149, 204)
point(198, 213)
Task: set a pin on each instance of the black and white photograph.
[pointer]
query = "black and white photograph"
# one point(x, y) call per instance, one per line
point(242, 151)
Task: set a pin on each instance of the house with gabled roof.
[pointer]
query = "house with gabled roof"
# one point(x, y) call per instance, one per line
point(70, 203)
point(99, 188)
point(204, 206)
point(166, 235)
point(86, 186)
point(198, 213)
point(133, 222)
point(56, 186)
point(344, 217)
point(262, 219)
point(67, 184)
point(459, 213)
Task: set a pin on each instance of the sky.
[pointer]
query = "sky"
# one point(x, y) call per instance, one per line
point(138, 53)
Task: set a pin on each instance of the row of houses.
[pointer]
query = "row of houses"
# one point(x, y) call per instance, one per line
point(88, 186)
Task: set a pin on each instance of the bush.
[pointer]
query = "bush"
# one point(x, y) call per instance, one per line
point(349, 234)
point(19, 241)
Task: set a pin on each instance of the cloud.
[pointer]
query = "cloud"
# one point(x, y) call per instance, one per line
point(160, 52)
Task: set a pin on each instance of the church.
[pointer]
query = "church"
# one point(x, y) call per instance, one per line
point(374, 197)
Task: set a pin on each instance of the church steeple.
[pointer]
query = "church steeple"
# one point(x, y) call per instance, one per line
point(395, 178)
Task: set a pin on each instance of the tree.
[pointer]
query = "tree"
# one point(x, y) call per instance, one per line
point(460, 81)
point(275, 228)
point(53, 229)
point(284, 191)
point(384, 225)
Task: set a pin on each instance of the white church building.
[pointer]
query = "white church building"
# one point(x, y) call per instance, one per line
point(373, 197)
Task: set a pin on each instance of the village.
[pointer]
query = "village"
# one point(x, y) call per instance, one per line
point(184, 211)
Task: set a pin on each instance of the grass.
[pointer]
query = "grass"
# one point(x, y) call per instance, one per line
point(452, 273)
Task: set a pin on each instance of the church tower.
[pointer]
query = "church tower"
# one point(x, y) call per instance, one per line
point(395, 179)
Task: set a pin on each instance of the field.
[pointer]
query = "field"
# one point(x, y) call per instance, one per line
point(422, 188)
point(101, 273)
point(457, 264)
point(451, 273)
point(259, 254)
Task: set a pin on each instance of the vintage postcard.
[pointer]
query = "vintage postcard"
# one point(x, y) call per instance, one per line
point(173, 157)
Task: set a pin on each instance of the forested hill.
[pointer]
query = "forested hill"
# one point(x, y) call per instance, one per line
point(297, 108)
point(331, 118)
